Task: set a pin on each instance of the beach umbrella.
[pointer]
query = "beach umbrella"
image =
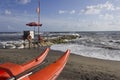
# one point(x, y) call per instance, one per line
point(34, 24)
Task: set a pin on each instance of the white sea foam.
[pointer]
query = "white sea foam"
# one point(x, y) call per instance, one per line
point(88, 51)
point(12, 44)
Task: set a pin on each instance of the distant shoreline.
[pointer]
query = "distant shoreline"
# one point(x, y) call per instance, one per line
point(56, 31)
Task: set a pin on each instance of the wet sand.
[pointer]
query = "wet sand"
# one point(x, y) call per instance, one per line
point(77, 67)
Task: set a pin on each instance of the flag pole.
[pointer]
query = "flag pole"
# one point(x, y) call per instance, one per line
point(38, 19)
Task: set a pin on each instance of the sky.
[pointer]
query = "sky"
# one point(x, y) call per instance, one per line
point(60, 15)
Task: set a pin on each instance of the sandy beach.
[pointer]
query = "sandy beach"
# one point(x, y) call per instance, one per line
point(77, 67)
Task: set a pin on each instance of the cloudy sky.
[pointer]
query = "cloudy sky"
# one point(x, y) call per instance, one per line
point(61, 15)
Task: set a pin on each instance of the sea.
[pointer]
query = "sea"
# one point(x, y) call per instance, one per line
point(97, 44)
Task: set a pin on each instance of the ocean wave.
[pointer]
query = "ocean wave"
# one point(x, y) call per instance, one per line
point(94, 52)
point(98, 42)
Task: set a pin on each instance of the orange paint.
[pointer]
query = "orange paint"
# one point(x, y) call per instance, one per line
point(50, 72)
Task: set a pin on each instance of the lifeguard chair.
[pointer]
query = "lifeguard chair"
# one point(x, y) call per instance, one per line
point(28, 35)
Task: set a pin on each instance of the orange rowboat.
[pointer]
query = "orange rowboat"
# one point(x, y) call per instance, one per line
point(50, 72)
point(10, 69)
point(36, 61)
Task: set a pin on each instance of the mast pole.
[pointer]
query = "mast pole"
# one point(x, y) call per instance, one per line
point(38, 19)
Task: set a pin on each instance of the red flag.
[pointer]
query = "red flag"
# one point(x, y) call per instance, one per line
point(38, 10)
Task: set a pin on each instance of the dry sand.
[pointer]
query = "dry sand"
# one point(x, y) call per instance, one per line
point(77, 67)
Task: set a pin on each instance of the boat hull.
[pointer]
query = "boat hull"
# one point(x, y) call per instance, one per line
point(8, 69)
point(52, 71)
point(11, 71)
